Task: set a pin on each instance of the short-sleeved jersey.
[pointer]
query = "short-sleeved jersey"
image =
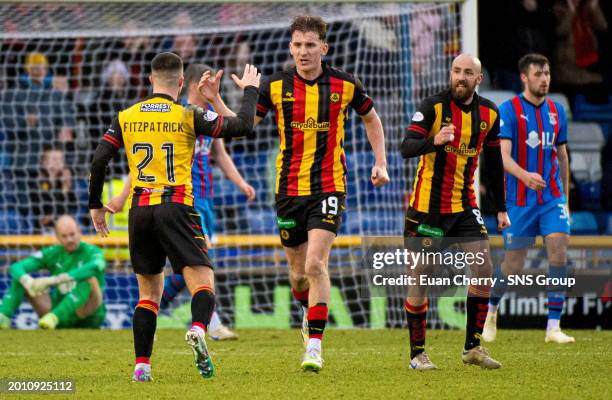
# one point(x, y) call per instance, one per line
point(444, 182)
point(159, 137)
point(535, 132)
point(311, 118)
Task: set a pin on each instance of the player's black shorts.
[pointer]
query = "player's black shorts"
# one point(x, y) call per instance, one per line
point(166, 230)
point(296, 215)
point(442, 230)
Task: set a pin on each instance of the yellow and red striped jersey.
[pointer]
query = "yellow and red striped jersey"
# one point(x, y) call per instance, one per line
point(444, 181)
point(311, 117)
point(159, 138)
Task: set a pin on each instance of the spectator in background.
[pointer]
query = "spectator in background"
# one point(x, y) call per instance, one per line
point(50, 189)
point(511, 29)
point(576, 54)
point(115, 94)
point(36, 74)
point(35, 113)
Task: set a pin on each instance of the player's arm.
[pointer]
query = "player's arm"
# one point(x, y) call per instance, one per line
point(264, 103)
point(364, 106)
point(495, 173)
point(210, 89)
point(532, 180)
point(20, 271)
point(211, 124)
point(227, 166)
point(564, 168)
point(92, 264)
point(117, 203)
point(111, 142)
point(418, 140)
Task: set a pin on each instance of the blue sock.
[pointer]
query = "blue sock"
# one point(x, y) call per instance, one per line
point(499, 289)
point(556, 294)
point(173, 284)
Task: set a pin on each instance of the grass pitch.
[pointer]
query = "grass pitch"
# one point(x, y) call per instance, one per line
point(363, 364)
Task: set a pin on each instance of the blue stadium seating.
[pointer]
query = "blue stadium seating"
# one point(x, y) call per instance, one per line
point(584, 223)
point(586, 111)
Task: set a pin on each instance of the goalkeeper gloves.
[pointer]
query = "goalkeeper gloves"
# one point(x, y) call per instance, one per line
point(27, 282)
point(40, 285)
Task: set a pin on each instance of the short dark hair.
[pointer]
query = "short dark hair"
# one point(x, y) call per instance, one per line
point(168, 66)
point(529, 59)
point(309, 23)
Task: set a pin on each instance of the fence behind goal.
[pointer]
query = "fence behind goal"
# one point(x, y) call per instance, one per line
point(97, 60)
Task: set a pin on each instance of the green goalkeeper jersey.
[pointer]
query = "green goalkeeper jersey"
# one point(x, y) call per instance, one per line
point(85, 262)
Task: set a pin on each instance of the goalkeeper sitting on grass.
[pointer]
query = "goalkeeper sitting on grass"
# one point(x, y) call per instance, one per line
point(76, 282)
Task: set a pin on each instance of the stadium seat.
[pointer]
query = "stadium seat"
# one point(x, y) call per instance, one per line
point(608, 230)
point(585, 142)
point(585, 111)
point(583, 223)
point(497, 96)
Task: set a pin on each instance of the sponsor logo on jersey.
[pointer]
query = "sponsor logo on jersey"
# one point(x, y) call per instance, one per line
point(427, 230)
point(462, 150)
point(418, 116)
point(311, 124)
point(533, 139)
point(285, 223)
point(288, 97)
point(524, 117)
point(155, 107)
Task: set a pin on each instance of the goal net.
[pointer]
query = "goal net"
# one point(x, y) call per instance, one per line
point(67, 68)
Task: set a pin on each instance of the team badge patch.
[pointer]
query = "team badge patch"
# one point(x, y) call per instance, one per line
point(334, 97)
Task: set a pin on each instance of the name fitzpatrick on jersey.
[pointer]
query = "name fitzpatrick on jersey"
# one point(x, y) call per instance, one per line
point(152, 126)
point(462, 150)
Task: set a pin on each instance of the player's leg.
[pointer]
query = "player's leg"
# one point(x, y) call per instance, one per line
point(513, 263)
point(144, 322)
point(323, 219)
point(182, 238)
point(555, 228)
point(517, 239)
point(79, 302)
point(416, 303)
point(200, 283)
point(148, 260)
point(291, 218)
point(12, 300)
point(317, 255)
point(477, 305)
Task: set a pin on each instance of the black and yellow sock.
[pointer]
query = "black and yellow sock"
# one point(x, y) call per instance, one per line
point(417, 319)
point(144, 323)
point(202, 305)
point(477, 306)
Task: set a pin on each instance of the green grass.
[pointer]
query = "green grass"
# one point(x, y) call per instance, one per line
point(358, 364)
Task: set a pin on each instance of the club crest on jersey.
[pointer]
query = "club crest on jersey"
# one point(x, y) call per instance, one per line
point(483, 126)
point(552, 118)
point(155, 107)
point(334, 97)
point(533, 140)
